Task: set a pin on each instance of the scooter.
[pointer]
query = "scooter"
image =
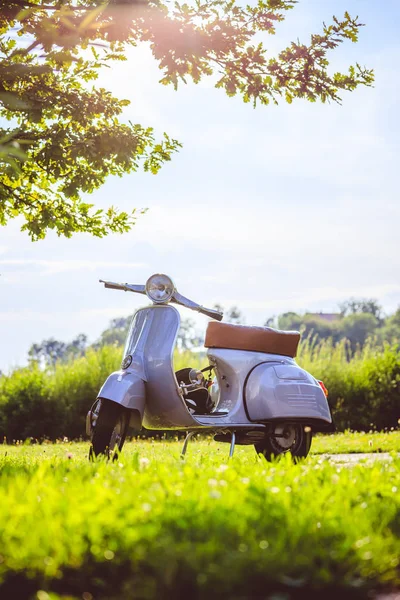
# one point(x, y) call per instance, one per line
point(251, 392)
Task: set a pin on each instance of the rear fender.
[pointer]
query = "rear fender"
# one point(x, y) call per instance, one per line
point(126, 389)
point(285, 392)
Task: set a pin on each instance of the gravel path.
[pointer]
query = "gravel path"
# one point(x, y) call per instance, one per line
point(353, 459)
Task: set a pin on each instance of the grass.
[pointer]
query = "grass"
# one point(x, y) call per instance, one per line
point(357, 442)
point(153, 526)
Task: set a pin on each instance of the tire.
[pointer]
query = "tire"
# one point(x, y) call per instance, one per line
point(110, 431)
point(284, 438)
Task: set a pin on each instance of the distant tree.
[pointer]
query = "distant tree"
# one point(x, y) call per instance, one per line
point(188, 336)
point(231, 315)
point(358, 327)
point(234, 315)
point(307, 324)
point(271, 322)
point(78, 346)
point(65, 136)
point(390, 330)
point(50, 351)
point(361, 306)
point(116, 332)
point(289, 320)
point(395, 318)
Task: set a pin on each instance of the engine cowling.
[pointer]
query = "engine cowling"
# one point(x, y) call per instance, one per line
point(276, 391)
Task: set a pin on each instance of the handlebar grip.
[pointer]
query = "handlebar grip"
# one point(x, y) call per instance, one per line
point(214, 314)
point(113, 286)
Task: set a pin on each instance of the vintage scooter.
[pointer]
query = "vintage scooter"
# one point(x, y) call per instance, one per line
point(251, 392)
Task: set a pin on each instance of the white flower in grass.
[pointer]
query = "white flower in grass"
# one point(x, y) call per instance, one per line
point(222, 468)
point(215, 494)
point(144, 462)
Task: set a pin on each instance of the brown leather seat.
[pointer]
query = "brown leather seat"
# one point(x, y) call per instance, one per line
point(256, 339)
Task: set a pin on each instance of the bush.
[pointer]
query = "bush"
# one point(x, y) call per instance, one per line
point(364, 388)
point(53, 403)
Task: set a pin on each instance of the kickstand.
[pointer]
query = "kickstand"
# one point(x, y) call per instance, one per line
point(232, 448)
point(186, 442)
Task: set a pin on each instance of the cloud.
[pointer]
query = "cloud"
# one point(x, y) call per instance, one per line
point(30, 316)
point(51, 267)
point(316, 296)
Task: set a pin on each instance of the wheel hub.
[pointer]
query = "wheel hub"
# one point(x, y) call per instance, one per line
point(284, 436)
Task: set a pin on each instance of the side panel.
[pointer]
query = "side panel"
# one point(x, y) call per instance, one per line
point(128, 390)
point(232, 368)
point(150, 347)
point(165, 407)
point(284, 392)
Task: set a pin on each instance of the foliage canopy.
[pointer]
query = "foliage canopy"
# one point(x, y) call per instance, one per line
point(65, 136)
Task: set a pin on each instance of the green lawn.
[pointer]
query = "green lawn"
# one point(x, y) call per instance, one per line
point(153, 526)
point(349, 442)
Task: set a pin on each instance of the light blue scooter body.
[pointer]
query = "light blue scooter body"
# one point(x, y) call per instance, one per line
point(254, 387)
point(148, 386)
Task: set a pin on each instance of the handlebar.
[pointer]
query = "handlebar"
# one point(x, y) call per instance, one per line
point(112, 286)
point(176, 298)
point(210, 312)
point(126, 287)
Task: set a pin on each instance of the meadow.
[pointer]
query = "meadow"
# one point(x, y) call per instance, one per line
point(151, 525)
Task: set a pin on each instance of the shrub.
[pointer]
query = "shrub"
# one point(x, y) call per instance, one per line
point(364, 388)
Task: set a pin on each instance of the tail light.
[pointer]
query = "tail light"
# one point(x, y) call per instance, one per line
point(323, 387)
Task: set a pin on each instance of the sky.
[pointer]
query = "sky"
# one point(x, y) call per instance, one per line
point(294, 207)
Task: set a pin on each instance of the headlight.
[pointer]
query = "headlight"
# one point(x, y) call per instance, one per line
point(160, 288)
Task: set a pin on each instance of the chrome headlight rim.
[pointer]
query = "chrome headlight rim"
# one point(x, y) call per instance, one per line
point(166, 288)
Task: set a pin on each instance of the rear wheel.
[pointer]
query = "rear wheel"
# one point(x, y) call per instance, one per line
point(110, 429)
point(284, 438)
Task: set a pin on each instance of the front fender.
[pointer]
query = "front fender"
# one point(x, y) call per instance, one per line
point(128, 390)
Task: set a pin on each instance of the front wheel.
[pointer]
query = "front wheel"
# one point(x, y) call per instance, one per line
point(284, 438)
point(110, 429)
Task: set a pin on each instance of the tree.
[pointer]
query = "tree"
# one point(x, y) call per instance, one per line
point(307, 324)
point(234, 315)
point(50, 351)
point(271, 322)
point(66, 136)
point(231, 315)
point(188, 336)
point(116, 333)
point(390, 330)
point(358, 327)
point(356, 307)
